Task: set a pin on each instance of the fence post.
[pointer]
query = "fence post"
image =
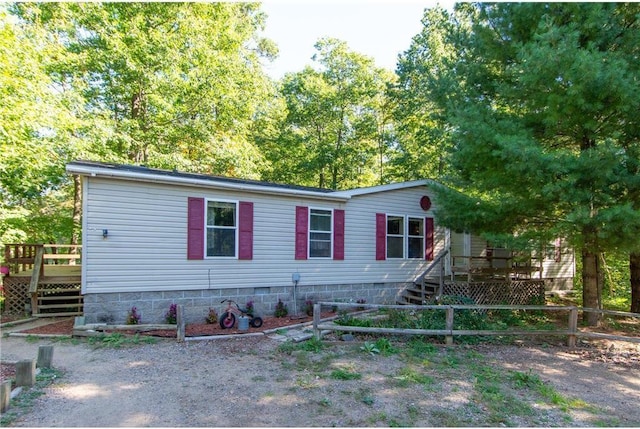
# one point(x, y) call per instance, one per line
point(573, 327)
point(449, 326)
point(45, 356)
point(26, 372)
point(316, 321)
point(5, 395)
point(181, 327)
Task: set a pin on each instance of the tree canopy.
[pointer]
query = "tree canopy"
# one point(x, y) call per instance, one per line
point(540, 105)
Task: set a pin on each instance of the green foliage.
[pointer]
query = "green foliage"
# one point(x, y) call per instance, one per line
point(168, 85)
point(335, 133)
point(212, 316)
point(116, 340)
point(370, 348)
point(171, 316)
point(281, 309)
point(542, 149)
point(24, 402)
point(133, 317)
point(345, 374)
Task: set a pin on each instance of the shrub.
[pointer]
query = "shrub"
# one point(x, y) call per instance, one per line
point(281, 309)
point(212, 317)
point(133, 318)
point(361, 301)
point(250, 308)
point(308, 307)
point(172, 315)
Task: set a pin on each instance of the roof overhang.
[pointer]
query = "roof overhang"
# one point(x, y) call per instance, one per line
point(141, 174)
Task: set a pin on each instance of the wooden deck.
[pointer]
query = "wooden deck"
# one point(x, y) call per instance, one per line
point(43, 279)
point(70, 271)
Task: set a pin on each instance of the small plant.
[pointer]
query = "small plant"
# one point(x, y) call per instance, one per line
point(370, 348)
point(385, 346)
point(172, 315)
point(133, 318)
point(343, 374)
point(212, 316)
point(250, 308)
point(308, 307)
point(281, 309)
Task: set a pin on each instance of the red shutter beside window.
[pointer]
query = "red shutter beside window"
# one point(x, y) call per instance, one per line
point(302, 231)
point(195, 228)
point(381, 236)
point(245, 237)
point(428, 239)
point(338, 235)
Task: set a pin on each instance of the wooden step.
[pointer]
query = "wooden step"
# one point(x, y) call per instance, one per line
point(60, 298)
point(66, 305)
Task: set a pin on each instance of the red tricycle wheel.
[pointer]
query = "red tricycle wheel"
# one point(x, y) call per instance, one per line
point(227, 320)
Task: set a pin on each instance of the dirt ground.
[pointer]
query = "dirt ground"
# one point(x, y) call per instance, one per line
point(256, 382)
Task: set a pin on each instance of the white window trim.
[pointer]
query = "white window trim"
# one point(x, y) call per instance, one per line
point(403, 235)
point(207, 227)
point(309, 231)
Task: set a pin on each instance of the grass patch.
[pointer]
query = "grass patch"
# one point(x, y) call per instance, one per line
point(116, 340)
point(345, 374)
point(408, 376)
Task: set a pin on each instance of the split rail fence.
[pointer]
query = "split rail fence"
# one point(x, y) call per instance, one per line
point(572, 330)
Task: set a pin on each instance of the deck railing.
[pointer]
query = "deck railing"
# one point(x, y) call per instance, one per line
point(505, 267)
point(22, 257)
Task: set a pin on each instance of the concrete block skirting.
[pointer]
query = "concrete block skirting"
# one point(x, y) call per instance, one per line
point(153, 306)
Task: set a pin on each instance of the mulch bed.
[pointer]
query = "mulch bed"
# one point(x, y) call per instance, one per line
point(65, 327)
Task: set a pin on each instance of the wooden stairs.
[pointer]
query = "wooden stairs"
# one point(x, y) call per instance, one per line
point(415, 294)
point(43, 279)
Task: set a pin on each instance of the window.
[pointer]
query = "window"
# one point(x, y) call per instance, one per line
point(221, 229)
point(320, 233)
point(395, 237)
point(415, 235)
point(404, 237)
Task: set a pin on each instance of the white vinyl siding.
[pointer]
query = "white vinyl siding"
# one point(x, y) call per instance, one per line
point(147, 245)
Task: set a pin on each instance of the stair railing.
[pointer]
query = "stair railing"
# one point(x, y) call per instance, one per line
point(437, 262)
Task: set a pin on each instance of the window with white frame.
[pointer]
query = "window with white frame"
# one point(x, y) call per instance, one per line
point(221, 229)
point(320, 233)
point(405, 237)
point(395, 237)
point(415, 238)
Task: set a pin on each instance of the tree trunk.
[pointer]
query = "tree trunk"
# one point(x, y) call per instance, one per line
point(634, 270)
point(590, 286)
point(77, 213)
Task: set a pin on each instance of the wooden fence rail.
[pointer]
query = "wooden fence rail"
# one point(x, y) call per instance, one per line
point(572, 331)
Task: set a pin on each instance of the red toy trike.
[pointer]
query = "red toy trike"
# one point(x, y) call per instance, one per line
point(228, 318)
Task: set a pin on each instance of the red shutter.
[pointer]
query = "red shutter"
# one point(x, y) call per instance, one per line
point(338, 235)
point(302, 231)
point(428, 239)
point(381, 236)
point(245, 237)
point(195, 228)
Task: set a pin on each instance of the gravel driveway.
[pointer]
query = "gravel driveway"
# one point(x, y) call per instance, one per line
point(255, 381)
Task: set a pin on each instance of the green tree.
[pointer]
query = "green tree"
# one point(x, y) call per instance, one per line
point(36, 138)
point(337, 125)
point(542, 101)
point(169, 85)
